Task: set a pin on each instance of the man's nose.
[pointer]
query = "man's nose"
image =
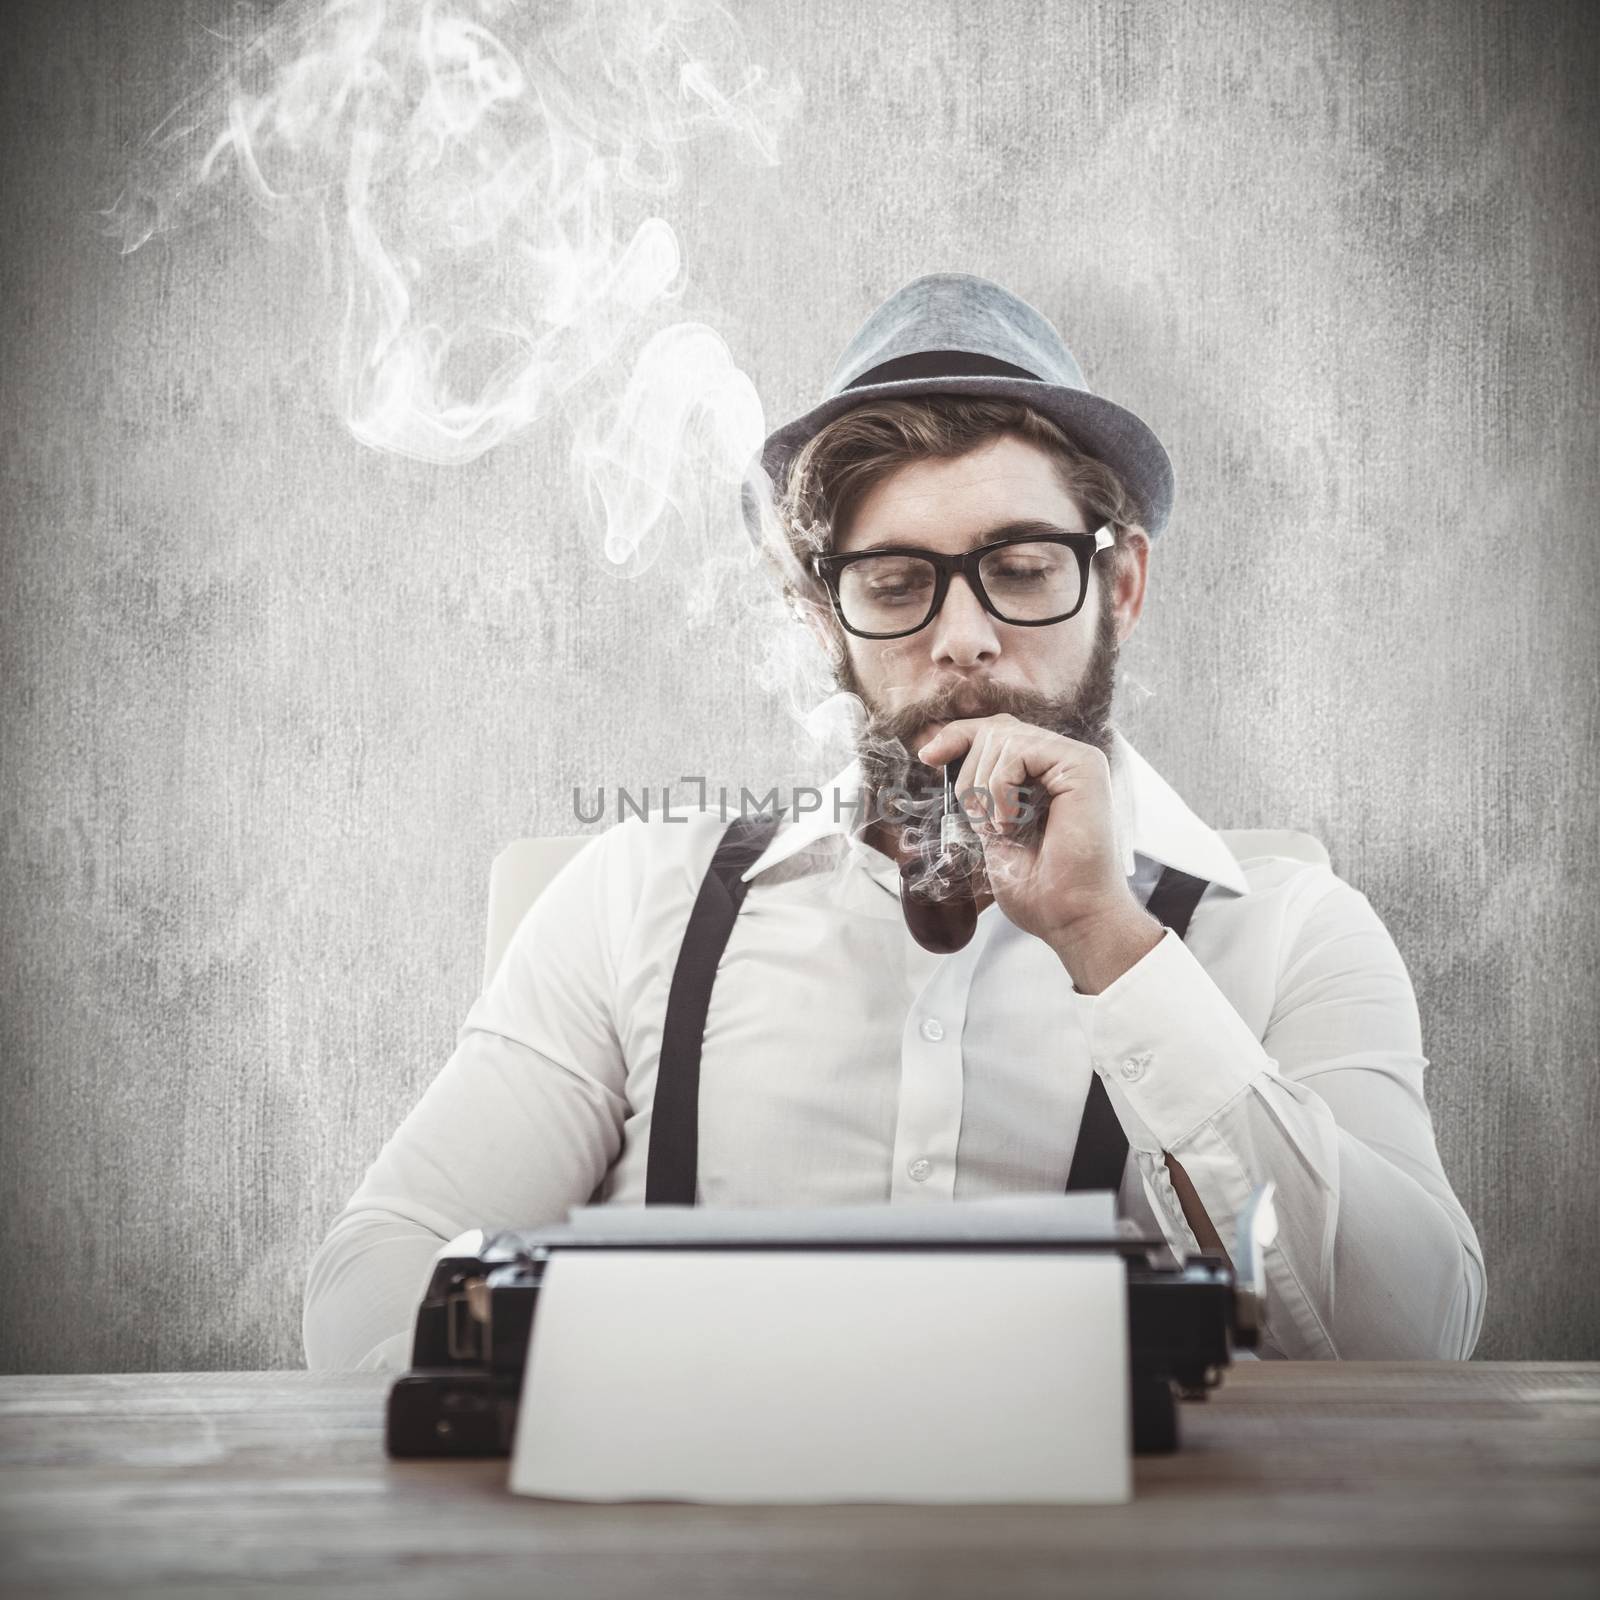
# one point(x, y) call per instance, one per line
point(963, 634)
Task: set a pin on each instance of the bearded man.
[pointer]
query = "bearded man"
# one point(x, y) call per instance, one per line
point(748, 1014)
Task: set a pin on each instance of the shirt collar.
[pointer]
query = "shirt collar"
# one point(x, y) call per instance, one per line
point(1156, 823)
point(1152, 820)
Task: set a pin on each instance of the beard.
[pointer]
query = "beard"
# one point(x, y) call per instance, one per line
point(883, 743)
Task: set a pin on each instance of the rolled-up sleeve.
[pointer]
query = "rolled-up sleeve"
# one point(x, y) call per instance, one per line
point(520, 1124)
point(1375, 1257)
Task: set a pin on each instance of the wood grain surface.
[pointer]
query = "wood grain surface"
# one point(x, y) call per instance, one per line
point(1304, 1479)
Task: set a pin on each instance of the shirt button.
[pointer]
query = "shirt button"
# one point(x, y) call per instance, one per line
point(919, 1169)
point(1133, 1067)
point(933, 1030)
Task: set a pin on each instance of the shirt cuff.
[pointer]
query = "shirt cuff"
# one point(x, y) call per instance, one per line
point(1168, 1042)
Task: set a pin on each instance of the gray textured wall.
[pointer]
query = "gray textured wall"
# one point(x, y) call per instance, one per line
point(271, 701)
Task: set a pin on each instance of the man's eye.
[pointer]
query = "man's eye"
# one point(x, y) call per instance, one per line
point(897, 582)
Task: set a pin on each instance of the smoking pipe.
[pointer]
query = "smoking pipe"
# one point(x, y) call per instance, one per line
point(941, 877)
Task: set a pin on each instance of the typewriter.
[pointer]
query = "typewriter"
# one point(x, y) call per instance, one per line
point(470, 1344)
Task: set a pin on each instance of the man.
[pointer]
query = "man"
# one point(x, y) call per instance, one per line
point(967, 531)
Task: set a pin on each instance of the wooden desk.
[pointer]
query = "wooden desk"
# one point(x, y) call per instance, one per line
point(1295, 1479)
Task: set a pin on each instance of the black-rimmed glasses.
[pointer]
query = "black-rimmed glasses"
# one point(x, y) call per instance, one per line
point(1030, 579)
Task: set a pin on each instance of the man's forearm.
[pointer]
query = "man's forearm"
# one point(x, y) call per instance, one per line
point(1095, 955)
point(362, 1290)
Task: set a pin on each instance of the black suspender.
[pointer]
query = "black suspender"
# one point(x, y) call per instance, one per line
point(1102, 1147)
point(675, 1111)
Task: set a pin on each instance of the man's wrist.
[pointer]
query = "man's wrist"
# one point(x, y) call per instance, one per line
point(1097, 948)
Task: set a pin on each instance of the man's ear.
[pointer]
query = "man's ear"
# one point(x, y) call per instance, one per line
point(1128, 585)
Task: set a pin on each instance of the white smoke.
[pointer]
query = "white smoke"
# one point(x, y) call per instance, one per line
point(687, 421)
point(486, 181)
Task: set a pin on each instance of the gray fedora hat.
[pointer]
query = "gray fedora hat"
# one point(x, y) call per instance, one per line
point(952, 333)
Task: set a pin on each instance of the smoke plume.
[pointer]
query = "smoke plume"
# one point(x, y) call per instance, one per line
point(486, 182)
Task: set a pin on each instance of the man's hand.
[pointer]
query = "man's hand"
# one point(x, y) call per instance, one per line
point(1061, 881)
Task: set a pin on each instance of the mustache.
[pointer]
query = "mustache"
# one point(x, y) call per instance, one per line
point(888, 754)
point(958, 701)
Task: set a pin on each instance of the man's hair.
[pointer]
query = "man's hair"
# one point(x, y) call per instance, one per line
point(831, 474)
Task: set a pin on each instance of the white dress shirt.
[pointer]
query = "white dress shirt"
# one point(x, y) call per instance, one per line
point(845, 1064)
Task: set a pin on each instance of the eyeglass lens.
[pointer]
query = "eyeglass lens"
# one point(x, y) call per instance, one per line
point(1026, 583)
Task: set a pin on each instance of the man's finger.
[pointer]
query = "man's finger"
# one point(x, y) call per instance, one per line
point(950, 741)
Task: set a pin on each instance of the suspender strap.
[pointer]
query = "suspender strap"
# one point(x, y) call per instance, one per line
point(1102, 1148)
point(1174, 898)
point(675, 1115)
